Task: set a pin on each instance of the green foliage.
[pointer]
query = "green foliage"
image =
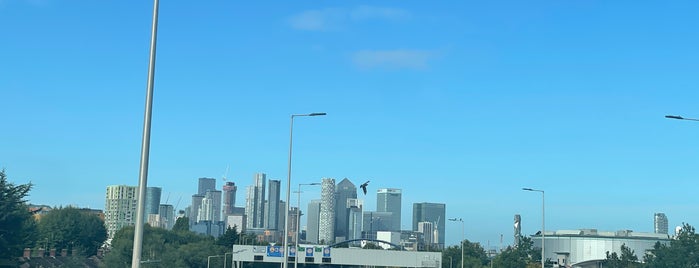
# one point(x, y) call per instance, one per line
point(229, 238)
point(520, 256)
point(164, 248)
point(71, 228)
point(474, 256)
point(181, 225)
point(17, 226)
point(683, 251)
point(369, 245)
point(628, 259)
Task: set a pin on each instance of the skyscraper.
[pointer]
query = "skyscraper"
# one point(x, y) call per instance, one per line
point(167, 216)
point(389, 200)
point(313, 221)
point(194, 208)
point(206, 184)
point(120, 208)
point(354, 222)
point(326, 228)
point(229, 191)
point(518, 229)
point(434, 213)
point(344, 191)
point(427, 230)
point(272, 209)
point(152, 203)
point(210, 208)
point(255, 202)
point(660, 222)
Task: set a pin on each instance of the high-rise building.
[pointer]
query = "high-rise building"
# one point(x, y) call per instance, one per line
point(326, 229)
point(272, 208)
point(344, 191)
point(255, 202)
point(229, 191)
point(373, 221)
point(206, 184)
point(167, 216)
point(660, 222)
point(152, 203)
point(313, 221)
point(210, 208)
point(434, 213)
point(194, 208)
point(389, 200)
point(354, 219)
point(120, 208)
point(427, 230)
point(518, 229)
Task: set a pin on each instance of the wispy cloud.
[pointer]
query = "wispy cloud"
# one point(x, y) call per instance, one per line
point(329, 19)
point(393, 59)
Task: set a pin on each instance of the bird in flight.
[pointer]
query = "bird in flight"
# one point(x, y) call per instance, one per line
point(363, 186)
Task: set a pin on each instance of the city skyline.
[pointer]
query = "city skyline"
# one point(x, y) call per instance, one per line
point(453, 102)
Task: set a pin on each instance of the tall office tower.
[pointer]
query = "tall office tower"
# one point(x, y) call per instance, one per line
point(660, 221)
point(280, 217)
point(206, 184)
point(434, 213)
point(255, 202)
point(293, 223)
point(389, 200)
point(373, 222)
point(427, 230)
point(152, 201)
point(326, 229)
point(167, 216)
point(210, 208)
point(344, 191)
point(354, 222)
point(194, 209)
point(120, 208)
point(313, 221)
point(229, 191)
point(518, 229)
point(272, 208)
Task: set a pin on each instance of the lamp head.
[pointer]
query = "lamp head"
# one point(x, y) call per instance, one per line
point(674, 117)
point(317, 114)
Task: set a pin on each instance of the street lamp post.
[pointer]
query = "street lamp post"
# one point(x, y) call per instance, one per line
point(208, 260)
point(543, 222)
point(145, 146)
point(462, 238)
point(298, 222)
point(285, 262)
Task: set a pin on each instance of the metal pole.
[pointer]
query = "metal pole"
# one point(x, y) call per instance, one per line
point(298, 227)
point(543, 228)
point(288, 191)
point(145, 146)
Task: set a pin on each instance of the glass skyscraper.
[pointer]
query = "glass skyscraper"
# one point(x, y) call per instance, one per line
point(434, 213)
point(389, 200)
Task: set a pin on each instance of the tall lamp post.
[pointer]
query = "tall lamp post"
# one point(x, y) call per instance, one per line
point(285, 262)
point(462, 238)
point(298, 222)
point(543, 222)
point(145, 146)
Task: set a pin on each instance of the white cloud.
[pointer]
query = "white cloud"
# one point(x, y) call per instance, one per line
point(335, 18)
point(318, 20)
point(393, 59)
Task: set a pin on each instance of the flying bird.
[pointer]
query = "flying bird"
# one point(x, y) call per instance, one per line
point(363, 186)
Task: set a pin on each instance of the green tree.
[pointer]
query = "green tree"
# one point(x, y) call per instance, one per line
point(474, 255)
point(17, 226)
point(521, 256)
point(683, 251)
point(628, 259)
point(73, 229)
point(182, 224)
point(229, 238)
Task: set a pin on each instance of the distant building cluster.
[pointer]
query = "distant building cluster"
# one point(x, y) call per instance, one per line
point(338, 216)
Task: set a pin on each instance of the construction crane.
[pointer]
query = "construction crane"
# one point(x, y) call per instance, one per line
point(225, 175)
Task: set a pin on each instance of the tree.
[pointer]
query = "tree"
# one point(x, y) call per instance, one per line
point(73, 229)
point(229, 238)
point(182, 224)
point(474, 255)
point(683, 251)
point(520, 256)
point(17, 226)
point(628, 259)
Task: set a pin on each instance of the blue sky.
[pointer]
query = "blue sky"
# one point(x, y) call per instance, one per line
point(462, 103)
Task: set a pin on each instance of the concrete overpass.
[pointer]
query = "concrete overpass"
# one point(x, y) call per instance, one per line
point(324, 255)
